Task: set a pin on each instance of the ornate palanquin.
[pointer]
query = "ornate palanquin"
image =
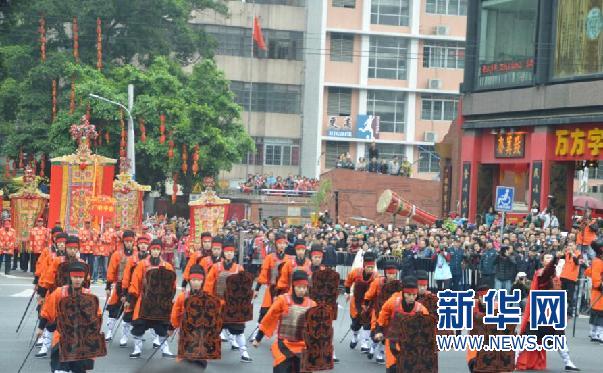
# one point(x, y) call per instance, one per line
point(207, 213)
point(27, 205)
point(76, 178)
point(129, 197)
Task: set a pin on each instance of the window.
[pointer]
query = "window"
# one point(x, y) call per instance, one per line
point(449, 7)
point(579, 38)
point(275, 152)
point(444, 54)
point(507, 42)
point(339, 102)
point(390, 107)
point(390, 12)
point(256, 158)
point(334, 150)
point(387, 57)
point(389, 151)
point(344, 4)
point(429, 161)
point(278, 2)
point(342, 47)
point(236, 41)
point(268, 97)
point(438, 107)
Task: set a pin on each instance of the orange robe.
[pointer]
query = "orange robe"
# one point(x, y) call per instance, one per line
point(290, 266)
point(131, 264)
point(115, 276)
point(39, 238)
point(268, 265)
point(595, 271)
point(87, 241)
point(211, 280)
point(389, 310)
point(354, 276)
point(271, 321)
point(136, 285)
point(8, 241)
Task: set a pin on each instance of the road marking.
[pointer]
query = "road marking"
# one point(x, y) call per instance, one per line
point(23, 294)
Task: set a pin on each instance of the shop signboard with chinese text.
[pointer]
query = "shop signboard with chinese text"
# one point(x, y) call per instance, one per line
point(339, 126)
point(578, 143)
point(510, 145)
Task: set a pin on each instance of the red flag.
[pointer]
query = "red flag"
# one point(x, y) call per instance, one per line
point(258, 37)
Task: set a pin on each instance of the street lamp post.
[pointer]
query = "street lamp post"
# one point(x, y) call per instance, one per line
point(130, 150)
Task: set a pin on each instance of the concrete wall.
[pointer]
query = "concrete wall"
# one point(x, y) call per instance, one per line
point(550, 97)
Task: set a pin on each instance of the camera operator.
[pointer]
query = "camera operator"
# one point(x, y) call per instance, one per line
point(506, 268)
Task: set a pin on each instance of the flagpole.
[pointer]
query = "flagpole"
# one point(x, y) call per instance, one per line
point(251, 88)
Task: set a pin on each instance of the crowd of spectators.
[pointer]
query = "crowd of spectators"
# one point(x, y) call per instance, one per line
point(373, 163)
point(255, 183)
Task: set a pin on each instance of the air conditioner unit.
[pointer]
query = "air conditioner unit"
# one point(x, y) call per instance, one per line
point(430, 137)
point(434, 84)
point(441, 30)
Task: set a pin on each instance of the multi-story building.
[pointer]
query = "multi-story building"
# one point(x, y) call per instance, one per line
point(269, 85)
point(386, 71)
point(532, 106)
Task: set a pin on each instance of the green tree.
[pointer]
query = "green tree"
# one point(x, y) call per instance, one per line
point(199, 106)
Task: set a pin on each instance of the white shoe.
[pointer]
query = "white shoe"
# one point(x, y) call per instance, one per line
point(234, 346)
point(156, 342)
point(165, 349)
point(123, 341)
point(245, 358)
point(43, 351)
point(137, 348)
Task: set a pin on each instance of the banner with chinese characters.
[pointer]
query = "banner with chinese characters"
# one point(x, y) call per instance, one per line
point(510, 145)
point(536, 184)
point(102, 207)
point(207, 214)
point(339, 126)
point(465, 189)
point(578, 143)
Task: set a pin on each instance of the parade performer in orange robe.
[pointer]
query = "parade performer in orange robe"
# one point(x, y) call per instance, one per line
point(287, 316)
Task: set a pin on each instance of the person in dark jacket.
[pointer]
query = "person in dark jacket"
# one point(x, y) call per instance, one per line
point(330, 254)
point(373, 151)
point(486, 264)
point(506, 268)
point(457, 254)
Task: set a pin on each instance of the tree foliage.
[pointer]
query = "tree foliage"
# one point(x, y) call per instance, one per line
point(198, 106)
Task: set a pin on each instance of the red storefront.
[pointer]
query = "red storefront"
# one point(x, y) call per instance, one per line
point(539, 162)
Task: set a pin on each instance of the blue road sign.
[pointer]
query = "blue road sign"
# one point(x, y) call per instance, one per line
point(504, 198)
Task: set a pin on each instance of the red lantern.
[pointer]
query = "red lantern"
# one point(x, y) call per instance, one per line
point(162, 129)
point(184, 159)
point(42, 30)
point(54, 100)
point(107, 137)
point(143, 131)
point(175, 188)
point(196, 160)
point(99, 45)
point(171, 149)
point(76, 38)
point(21, 158)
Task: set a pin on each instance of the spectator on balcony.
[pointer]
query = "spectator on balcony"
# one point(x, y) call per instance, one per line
point(405, 167)
point(361, 165)
point(373, 151)
point(394, 166)
point(373, 165)
point(384, 167)
point(348, 161)
point(340, 161)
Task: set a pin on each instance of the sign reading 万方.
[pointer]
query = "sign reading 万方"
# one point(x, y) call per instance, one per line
point(578, 143)
point(548, 308)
